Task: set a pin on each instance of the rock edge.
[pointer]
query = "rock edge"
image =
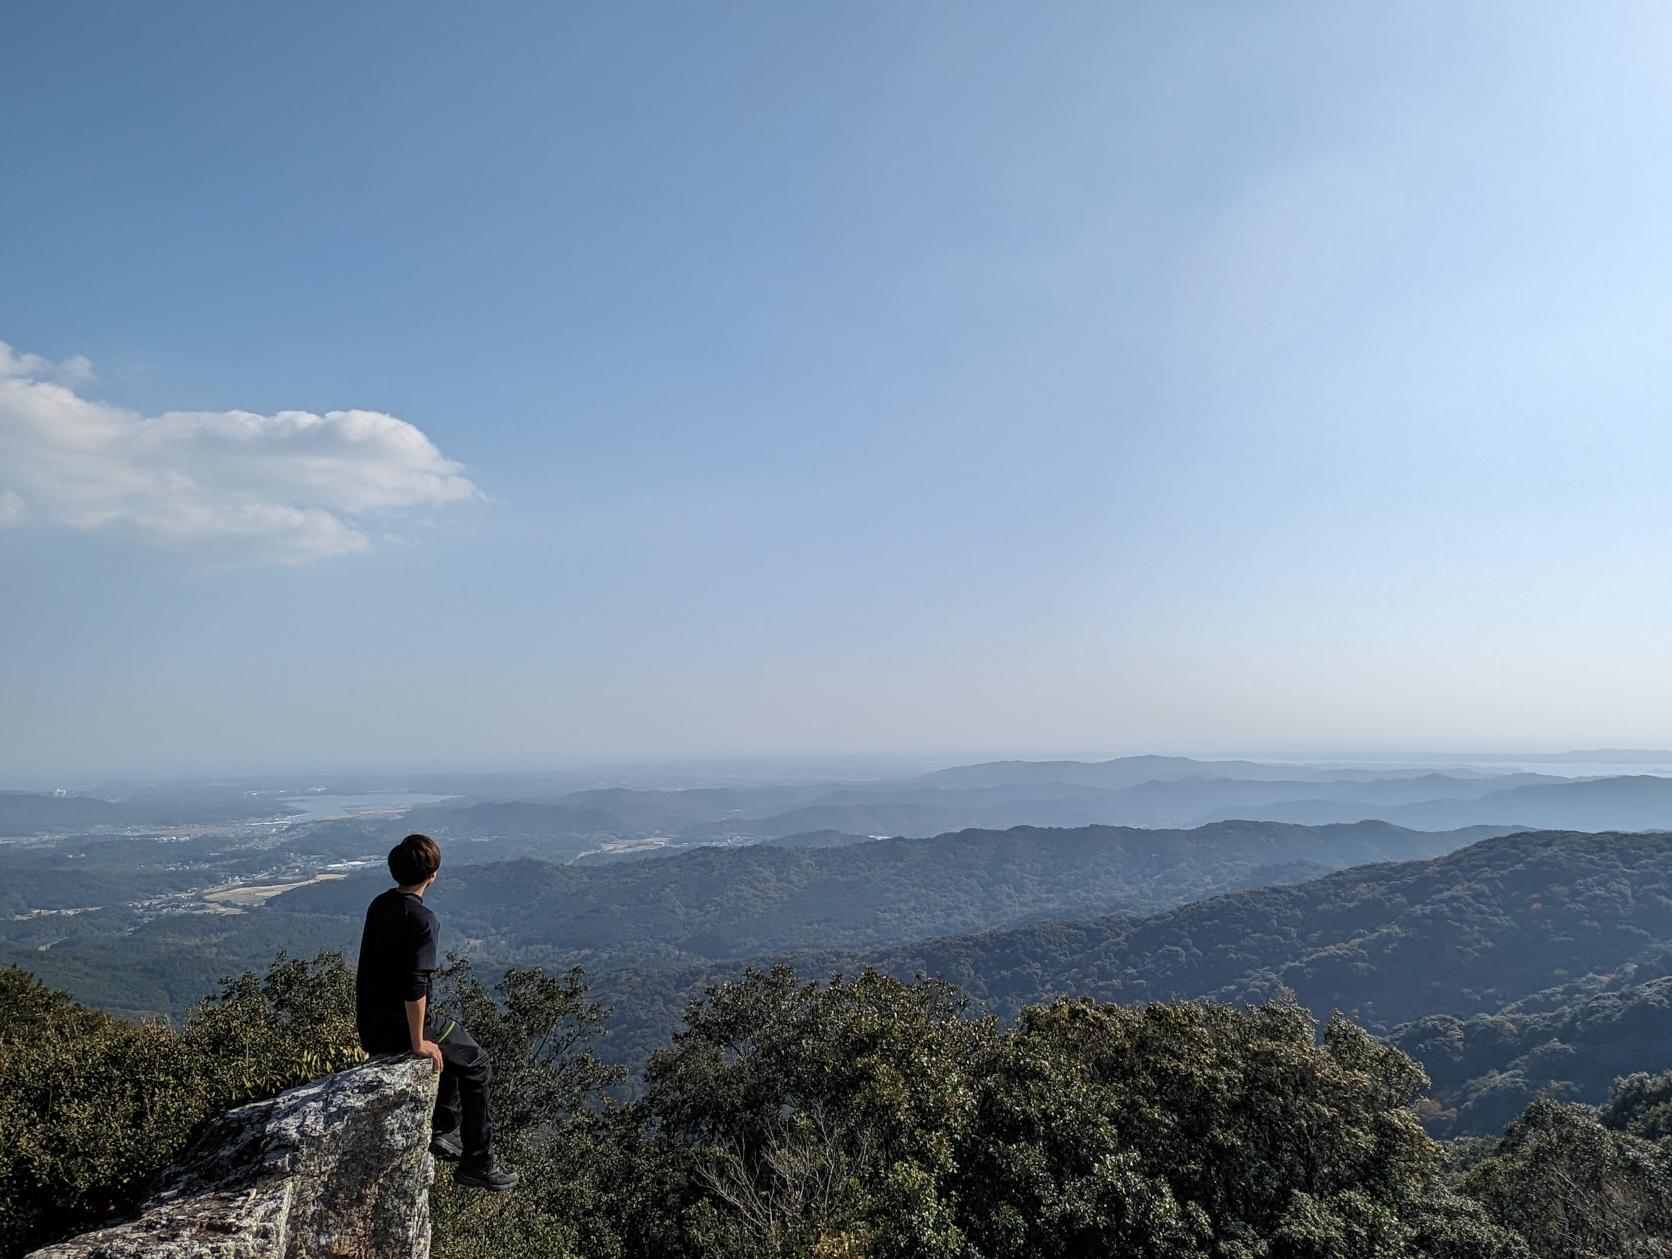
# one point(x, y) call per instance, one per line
point(338, 1167)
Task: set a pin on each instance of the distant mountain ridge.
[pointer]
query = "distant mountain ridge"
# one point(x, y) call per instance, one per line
point(1626, 802)
point(1122, 771)
point(28, 813)
point(1584, 756)
point(1172, 792)
point(23, 812)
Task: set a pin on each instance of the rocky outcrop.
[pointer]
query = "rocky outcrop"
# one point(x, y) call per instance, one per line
point(340, 1167)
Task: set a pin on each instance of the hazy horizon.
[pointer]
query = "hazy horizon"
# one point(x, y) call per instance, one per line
point(384, 387)
point(857, 767)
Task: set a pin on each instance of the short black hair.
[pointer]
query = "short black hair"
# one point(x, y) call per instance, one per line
point(414, 859)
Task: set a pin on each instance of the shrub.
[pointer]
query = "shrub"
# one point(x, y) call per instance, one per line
point(92, 1107)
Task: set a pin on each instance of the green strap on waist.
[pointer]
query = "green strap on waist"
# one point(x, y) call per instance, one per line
point(448, 1031)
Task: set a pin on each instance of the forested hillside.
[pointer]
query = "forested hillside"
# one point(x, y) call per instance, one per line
point(728, 903)
point(1473, 931)
point(1502, 922)
point(864, 1119)
point(1563, 1044)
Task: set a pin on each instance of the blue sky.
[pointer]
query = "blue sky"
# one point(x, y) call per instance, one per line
point(808, 379)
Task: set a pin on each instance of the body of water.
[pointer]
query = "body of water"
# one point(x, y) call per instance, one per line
point(324, 806)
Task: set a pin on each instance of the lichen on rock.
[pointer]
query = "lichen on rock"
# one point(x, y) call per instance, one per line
point(339, 1167)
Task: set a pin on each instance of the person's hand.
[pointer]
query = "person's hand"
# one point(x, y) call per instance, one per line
point(429, 1049)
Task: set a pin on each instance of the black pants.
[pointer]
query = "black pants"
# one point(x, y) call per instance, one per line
point(465, 1073)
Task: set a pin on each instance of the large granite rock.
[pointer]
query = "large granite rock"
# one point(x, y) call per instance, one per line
point(339, 1167)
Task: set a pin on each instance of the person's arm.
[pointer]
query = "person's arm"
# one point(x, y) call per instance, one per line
point(415, 1011)
point(417, 995)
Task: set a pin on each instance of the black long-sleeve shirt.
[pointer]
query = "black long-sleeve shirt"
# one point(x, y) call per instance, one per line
point(397, 959)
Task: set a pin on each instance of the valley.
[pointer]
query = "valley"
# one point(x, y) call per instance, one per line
point(1479, 949)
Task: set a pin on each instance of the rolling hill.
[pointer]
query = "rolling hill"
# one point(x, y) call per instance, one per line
point(1558, 933)
point(719, 903)
point(1628, 802)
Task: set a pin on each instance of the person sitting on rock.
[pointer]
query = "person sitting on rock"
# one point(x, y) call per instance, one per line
point(395, 1013)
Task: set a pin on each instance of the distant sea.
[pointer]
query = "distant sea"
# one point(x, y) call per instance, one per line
point(1660, 766)
point(323, 807)
point(1583, 769)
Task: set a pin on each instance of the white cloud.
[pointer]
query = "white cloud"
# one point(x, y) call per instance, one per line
point(73, 370)
point(225, 486)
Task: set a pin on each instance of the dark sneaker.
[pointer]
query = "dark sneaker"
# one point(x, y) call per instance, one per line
point(447, 1146)
point(489, 1176)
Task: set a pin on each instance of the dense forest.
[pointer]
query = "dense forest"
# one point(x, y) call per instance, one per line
point(1548, 935)
point(1462, 934)
point(866, 1118)
point(1486, 1068)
